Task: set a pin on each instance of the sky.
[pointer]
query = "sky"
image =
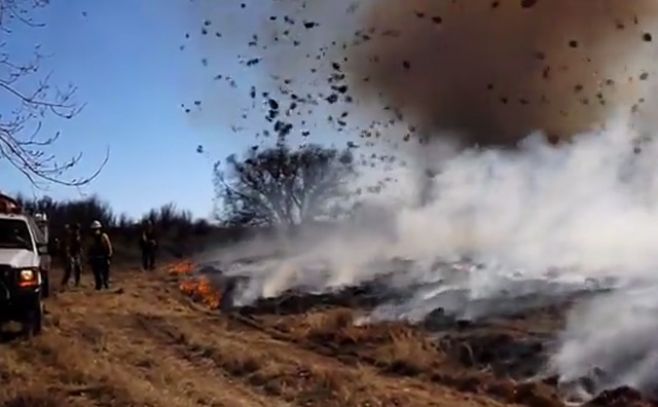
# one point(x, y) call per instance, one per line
point(126, 60)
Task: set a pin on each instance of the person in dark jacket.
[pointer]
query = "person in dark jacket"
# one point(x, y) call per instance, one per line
point(100, 255)
point(72, 254)
point(149, 244)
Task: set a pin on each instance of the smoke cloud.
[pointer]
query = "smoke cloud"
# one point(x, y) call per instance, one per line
point(503, 231)
point(497, 71)
point(497, 225)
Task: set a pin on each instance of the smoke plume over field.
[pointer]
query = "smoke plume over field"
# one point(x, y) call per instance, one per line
point(538, 218)
point(498, 70)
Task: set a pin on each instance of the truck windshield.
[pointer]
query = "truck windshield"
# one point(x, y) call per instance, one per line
point(14, 234)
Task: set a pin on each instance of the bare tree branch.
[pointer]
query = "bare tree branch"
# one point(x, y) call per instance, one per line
point(279, 186)
point(35, 101)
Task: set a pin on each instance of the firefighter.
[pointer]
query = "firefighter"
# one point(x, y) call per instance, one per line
point(149, 244)
point(100, 255)
point(72, 254)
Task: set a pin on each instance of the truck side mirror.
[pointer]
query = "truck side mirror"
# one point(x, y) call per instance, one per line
point(42, 248)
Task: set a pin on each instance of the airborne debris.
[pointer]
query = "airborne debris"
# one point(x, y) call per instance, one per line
point(528, 3)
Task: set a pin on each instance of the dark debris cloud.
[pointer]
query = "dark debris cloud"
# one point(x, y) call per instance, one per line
point(498, 71)
point(490, 71)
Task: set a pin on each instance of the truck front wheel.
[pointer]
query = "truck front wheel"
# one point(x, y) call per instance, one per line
point(45, 282)
point(33, 318)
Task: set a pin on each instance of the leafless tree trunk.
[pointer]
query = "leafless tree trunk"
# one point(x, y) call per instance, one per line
point(282, 187)
point(34, 100)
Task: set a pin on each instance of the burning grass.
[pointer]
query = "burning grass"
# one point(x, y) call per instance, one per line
point(201, 289)
point(181, 268)
point(198, 287)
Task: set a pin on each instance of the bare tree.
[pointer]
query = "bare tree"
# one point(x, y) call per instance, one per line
point(280, 186)
point(33, 100)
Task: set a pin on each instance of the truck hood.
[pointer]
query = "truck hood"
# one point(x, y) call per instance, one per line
point(18, 258)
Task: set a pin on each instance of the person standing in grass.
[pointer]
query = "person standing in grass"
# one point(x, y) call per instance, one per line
point(149, 244)
point(100, 256)
point(72, 254)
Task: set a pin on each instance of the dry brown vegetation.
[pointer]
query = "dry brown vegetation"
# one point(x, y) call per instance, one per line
point(147, 344)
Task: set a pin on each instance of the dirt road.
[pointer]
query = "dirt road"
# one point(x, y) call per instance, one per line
point(145, 344)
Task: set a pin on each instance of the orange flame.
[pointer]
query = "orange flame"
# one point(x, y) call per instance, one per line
point(203, 290)
point(198, 288)
point(179, 268)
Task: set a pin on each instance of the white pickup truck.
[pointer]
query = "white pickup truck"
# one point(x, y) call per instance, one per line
point(24, 263)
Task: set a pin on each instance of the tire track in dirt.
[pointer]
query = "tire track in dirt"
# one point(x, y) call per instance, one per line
point(148, 345)
point(227, 328)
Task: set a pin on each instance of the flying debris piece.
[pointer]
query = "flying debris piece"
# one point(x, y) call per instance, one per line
point(437, 20)
point(644, 76)
point(253, 61)
point(252, 92)
point(420, 14)
point(274, 105)
point(197, 103)
point(647, 37)
point(351, 144)
point(495, 4)
point(406, 65)
point(310, 24)
point(336, 66)
point(204, 61)
point(207, 23)
point(333, 98)
point(199, 149)
point(243, 5)
point(391, 33)
point(573, 44)
point(283, 129)
point(528, 3)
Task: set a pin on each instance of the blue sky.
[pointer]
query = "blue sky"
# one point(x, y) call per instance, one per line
point(125, 58)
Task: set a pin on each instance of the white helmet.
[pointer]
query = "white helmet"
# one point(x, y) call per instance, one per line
point(96, 225)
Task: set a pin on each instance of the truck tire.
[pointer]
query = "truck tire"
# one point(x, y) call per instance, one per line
point(45, 284)
point(33, 319)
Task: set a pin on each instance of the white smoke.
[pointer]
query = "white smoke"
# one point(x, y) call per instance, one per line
point(613, 340)
point(536, 223)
